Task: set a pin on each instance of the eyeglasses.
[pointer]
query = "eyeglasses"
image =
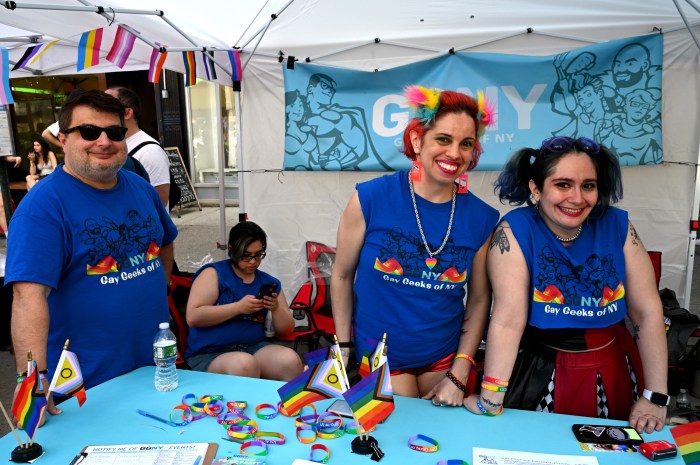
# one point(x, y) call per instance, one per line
point(90, 132)
point(644, 106)
point(560, 144)
point(252, 258)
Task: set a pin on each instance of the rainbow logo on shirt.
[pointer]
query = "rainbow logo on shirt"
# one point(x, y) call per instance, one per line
point(104, 266)
point(391, 266)
point(452, 275)
point(153, 252)
point(551, 294)
point(610, 296)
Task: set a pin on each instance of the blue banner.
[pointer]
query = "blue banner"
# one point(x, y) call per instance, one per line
point(339, 119)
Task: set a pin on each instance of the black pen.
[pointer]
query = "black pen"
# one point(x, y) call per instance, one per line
point(78, 458)
point(150, 415)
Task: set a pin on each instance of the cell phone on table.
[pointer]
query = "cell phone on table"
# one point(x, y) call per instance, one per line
point(266, 290)
point(606, 434)
point(340, 407)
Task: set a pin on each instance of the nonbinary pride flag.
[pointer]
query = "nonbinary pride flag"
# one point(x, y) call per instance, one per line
point(29, 403)
point(31, 54)
point(89, 49)
point(372, 399)
point(68, 378)
point(156, 66)
point(190, 68)
point(5, 93)
point(122, 47)
point(687, 439)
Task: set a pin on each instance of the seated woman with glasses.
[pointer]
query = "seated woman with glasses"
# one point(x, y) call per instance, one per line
point(565, 271)
point(226, 312)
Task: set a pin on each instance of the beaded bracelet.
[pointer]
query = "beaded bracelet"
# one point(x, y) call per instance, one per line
point(496, 381)
point(468, 358)
point(486, 412)
point(493, 388)
point(462, 387)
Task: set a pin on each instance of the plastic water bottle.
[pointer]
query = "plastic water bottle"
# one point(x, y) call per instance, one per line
point(165, 355)
point(269, 329)
point(682, 399)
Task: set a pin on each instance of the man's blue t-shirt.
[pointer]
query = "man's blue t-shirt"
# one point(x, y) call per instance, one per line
point(98, 250)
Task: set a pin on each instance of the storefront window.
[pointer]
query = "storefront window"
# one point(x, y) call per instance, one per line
point(213, 120)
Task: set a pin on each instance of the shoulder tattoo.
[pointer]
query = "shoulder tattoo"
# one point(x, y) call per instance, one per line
point(501, 240)
point(634, 235)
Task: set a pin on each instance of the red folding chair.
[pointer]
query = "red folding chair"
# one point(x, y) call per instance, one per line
point(177, 304)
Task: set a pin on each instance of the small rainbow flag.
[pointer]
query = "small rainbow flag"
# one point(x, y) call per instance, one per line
point(32, 54)
point(89, 49)
point(104, 266)
point(190, 69)
point(372, 361)
point(687, 439)
point(153, 252)
point(372, 399)
point(122, 47)
point(317, 383)
point(236, 70)
point(68, 378)
point(5, 93)
point(29, 403)
point(156, 66)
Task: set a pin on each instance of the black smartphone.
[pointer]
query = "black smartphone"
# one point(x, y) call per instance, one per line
point(340, 407)
point(600, 434)
point(266, 289)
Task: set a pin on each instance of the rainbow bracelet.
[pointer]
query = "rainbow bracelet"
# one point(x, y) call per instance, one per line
point(496, 381)
point(452, 462)
point(236, 406)
point(266, 416)
point(491, 387)
point(316, 447)
point(486, 412)
point(254, 443)
point(185, 417)
point(422, 437)
point(268, 437)
point(468, 358)
point(303, 438)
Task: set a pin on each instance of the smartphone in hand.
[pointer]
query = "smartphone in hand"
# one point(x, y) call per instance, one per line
point(605, 434)
point(266, 290)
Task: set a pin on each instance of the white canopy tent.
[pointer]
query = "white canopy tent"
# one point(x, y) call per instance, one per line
point(300, 206)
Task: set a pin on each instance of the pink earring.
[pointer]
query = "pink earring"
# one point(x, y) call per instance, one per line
point(462, 184)
point(416, 170)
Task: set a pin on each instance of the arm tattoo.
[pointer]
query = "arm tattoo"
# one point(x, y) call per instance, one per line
point(634, 235)
point(489, 403)
point(501, 240)
point(635, 335)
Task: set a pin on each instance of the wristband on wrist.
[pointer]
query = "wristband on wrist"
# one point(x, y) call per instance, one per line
point(493, 388)
point(347, 345)
point(462, 387)
point(468, 358)
point(496, 381)
point(486, 412)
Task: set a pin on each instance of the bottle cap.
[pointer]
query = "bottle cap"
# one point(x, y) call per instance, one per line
point(164, 325)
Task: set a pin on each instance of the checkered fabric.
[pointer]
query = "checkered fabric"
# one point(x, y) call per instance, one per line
point(546, 405)
point(633, 379)
point(601, 398)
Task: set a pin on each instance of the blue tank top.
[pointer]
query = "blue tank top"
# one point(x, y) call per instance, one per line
point(580, 286)
point(419, 303)
point(241, 329)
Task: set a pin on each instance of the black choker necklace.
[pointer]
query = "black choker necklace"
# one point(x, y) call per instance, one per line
point(572, 238)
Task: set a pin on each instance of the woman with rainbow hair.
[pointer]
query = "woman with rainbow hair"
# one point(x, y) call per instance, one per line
point(409, 242)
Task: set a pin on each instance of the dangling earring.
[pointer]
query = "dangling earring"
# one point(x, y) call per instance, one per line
point(535, 202)
point(462, 184)
point(416, 173)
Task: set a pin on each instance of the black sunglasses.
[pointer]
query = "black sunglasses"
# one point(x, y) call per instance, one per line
point(560, 144)
point(90, 132)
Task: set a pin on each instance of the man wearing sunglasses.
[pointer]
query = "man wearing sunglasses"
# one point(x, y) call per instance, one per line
point(103, 284)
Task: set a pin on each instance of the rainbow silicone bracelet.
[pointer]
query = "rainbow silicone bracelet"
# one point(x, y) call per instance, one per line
point(467, 357)
point(452, 462)
point(491, 387)
point(266, 416)
point(329, 421)
point(231, 418)
point(496, 381)
point(254, 443)
point(422, 437)
point(306, 434)
point(316, 447)
point(214, 408)
point(486, 412)
point(237, 406)
point(185, 416)
point(188, 397)
point(268, 437)
point(306, 420)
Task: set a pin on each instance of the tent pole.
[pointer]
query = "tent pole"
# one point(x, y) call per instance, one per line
point(242, 214)
point(692, 238)
point(222, 176)
point(264, 28)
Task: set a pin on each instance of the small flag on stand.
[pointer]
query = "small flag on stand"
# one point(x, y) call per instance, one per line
point(68, 379)
point(122, 47)
point(236, 70)
point(5, 93)
point(209, 65)
point(372, 399)
point(320, 382)
point(156, 66)
point(31, 54)
point(29, 404)
point(190, 69)
point(371, 362)
point(89, 49)
point(687, 439)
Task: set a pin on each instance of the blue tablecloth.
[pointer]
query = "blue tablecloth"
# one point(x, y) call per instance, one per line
point(109, 417)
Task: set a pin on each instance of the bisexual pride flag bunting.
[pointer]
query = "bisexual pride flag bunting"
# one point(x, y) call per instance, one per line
point(68, 378)
point(122, 47)
point(89, 49)
point(236, 69)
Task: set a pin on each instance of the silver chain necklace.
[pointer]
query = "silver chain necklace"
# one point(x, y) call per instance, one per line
point(430, 261)
point(572, 238)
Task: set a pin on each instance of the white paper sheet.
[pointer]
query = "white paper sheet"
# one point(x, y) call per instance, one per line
point(481, 456)
point(145, 454)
